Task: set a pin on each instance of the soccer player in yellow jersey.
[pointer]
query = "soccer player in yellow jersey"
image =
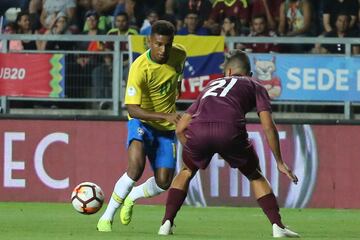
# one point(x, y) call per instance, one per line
point(151, 91)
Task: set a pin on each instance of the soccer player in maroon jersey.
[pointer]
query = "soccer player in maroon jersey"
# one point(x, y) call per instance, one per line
point(215, 123)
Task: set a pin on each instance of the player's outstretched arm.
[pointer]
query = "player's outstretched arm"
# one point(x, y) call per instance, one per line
point(181, 127)
point(135, 111)
point(272, 137)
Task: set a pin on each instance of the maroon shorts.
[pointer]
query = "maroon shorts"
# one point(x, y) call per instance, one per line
point(229, 140)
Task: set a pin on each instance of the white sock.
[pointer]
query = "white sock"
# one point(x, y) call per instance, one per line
point(147, 189)
point(122, 188)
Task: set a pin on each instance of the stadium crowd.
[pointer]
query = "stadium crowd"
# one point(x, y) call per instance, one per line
point(90, 75)
point(327, 18)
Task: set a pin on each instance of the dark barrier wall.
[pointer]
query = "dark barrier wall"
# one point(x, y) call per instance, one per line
point(43, 160)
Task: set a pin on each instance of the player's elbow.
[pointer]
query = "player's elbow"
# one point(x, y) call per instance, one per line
point(270, 132)
point(132, 110)
point(132, 114)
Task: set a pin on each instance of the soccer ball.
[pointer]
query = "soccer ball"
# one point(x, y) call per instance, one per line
point(87, 198)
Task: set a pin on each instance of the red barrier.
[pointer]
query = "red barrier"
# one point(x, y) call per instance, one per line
point(31, 75)
point(44, 160)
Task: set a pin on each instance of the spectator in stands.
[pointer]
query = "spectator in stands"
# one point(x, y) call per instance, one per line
point(10, 28)
point(268, 8)
point(192, 25)
point(59, 26)
point(259, 29)
point(101, 80)
point(295, 21)
point(127, 6)
point(295, 18)
point(341, 30)
point(9, 10)
point(92, 20)
point(202, 7)
point(122, 26)
point(22, 26)
point(151, 17)
point(51, 8)
point(106, 10)
point(332, 8)
point(6, 4)
point(231, 27)
point(228, 8)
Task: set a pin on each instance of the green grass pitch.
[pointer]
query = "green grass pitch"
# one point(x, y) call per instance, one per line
point(43, 221)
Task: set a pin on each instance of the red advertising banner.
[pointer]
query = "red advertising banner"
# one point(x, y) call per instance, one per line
point(192, 86)
point(31, 75)
point(43, 160)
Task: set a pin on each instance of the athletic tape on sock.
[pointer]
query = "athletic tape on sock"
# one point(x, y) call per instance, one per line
point(117, 198)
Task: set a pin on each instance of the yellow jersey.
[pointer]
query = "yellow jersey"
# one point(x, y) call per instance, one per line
point(153, 86)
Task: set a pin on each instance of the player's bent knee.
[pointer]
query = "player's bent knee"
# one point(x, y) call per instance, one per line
point(163, 182)
point(134, 173)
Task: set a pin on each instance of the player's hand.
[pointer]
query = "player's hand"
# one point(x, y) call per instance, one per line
point(285, 170)
point(173, 118)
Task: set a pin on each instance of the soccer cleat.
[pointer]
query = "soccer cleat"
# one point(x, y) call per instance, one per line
point(104, 226)
point(126, 211)
point(279, 232)
point(166, 228)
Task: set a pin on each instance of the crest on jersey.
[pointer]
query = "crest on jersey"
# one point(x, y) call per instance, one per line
point(140, 131)
point(131, 91)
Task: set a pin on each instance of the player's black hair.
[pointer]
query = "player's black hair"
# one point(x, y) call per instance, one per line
point(163, 27)
point(239, 59)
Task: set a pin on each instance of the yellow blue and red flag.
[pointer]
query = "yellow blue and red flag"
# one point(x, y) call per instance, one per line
point(205, 55)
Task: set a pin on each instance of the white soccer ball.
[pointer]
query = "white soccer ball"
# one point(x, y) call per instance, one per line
point(87, 198)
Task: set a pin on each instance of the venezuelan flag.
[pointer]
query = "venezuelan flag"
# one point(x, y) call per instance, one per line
point(205, 55)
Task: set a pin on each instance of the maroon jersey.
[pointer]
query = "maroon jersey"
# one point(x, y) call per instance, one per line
point(218, 124)
point(228, 99)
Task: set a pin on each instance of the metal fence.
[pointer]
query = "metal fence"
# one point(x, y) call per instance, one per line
point(94, 87)
point(90, 83)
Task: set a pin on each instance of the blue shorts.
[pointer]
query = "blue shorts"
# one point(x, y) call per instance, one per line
point(160, 146)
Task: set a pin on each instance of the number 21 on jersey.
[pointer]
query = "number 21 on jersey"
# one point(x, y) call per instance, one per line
point(219, 84)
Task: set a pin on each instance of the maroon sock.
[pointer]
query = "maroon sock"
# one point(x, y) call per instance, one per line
point(271, 209)
point(175, 199)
